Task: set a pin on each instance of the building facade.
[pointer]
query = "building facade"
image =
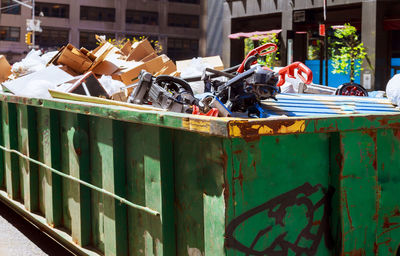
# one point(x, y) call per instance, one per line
point(179, 25)
point(378, 21)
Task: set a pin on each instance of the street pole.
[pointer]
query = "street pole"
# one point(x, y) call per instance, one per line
point(33, 19)
point(326, 44)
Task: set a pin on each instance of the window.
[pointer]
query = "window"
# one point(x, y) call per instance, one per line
point(52, 38)
point(141, 17)
point(186, 1)
point(88, 39)
point(183, 20)
point(10, 7)
point(97, 13)
point(52, 10)
point(9, 33)
point(180, 48)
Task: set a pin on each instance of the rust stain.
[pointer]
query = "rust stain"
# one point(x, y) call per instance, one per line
point(254, 165)
point(396, 212)
point(240, 177)
point(397, 134)
point(383, 121)
point(355, 252)
point(371, 118)
point(236, 152)
point(347, 209)
point(224, 158)
point(226, 194)
point(277, 140)
point(316, 223)
point(387, 223)
point(339, 160)
point(376, 245)
point(377, 201)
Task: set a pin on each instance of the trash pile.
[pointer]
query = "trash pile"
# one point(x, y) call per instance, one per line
point(136, 76)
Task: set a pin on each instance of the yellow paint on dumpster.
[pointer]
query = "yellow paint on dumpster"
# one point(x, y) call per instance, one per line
point(235, 131)
point(196, 125)
point(265, 130)
point(298, 126)
point(249, 129)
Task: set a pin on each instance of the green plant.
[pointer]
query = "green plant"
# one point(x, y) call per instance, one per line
point(270, 60)
point(313, 52)
point(347, 51)
point(119, 43)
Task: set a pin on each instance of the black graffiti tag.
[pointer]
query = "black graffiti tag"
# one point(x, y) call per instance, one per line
point(276, 209)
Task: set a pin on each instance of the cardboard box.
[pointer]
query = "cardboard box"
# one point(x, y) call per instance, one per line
point(168, 68)
point(119, 96)
point(154, 65)
point(5, 69)
point(213, 62)
point(140, 50)
point(101, 55)
point(130, 76)
point(74, 59)
point(126, 49)
point(149, 57)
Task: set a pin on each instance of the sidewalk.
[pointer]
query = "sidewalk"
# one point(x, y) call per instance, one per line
point(13, 242)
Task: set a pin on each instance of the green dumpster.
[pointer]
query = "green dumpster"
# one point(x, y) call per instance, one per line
point(106, 180)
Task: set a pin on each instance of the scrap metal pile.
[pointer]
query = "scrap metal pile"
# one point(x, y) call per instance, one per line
point(135, 74)
point(236, 91)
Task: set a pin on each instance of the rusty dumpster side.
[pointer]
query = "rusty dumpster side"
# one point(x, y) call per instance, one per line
point(150, 183)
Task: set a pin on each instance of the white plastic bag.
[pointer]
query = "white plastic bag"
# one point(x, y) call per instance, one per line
point(196, 68)
point(393, 90)
point(110, 85)
point(33, 62)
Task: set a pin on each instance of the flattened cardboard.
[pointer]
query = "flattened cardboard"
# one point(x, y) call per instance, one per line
point(140, 50)
point(105, 68)
point(5, 69)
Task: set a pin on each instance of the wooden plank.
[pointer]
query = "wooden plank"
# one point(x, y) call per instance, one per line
point(12, 177)
point(90, 99)
point(75, 160)
point(27, 145)
point(50, 188)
